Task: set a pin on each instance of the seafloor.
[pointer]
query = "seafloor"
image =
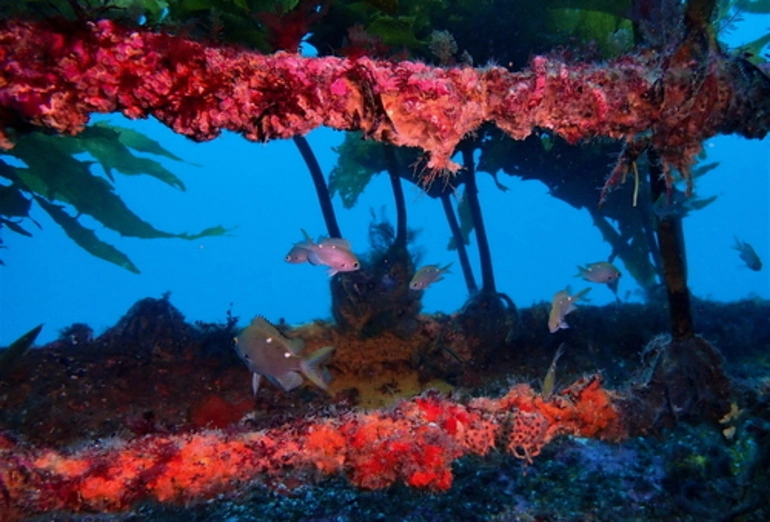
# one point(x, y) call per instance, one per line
point(153, 373)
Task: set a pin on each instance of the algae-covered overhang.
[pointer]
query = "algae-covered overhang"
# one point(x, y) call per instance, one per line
point(56, 74)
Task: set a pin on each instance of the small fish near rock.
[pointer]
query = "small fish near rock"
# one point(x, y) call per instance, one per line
point(748, 255)
point(428, 275)
point(269, 353)
point(333, 252)
point(563, 303)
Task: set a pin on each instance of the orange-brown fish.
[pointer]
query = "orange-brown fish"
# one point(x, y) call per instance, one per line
point(563, 303)
point(269, 353)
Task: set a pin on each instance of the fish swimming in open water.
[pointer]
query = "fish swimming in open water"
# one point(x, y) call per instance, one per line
point(563, 304)
point(299, 253)
point(601, 272)
point(428, 275)
point(269, 353)
point(749, 256)
point(333, 252)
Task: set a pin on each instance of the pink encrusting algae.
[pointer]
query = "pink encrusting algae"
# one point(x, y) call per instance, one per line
point(414, 442)
point(55, 74)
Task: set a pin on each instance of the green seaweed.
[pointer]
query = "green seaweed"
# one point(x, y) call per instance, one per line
point(86, 238)
point(358, 161)
point(55, 176)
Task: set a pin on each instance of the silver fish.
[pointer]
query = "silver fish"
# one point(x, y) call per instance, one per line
point(269, 353)
point(299, 253)
point(428, 275)
point(563, 304)
point(336, 254)
point(748, 255)
point(328, 251)
point(601, 272)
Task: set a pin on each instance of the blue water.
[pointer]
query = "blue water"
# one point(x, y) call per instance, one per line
point(265, 194)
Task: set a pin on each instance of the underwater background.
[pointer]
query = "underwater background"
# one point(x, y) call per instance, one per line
point(263, 194)
point(133, 405)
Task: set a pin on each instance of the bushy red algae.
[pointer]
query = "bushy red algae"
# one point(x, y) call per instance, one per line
point(54, 74)
point(414, 442)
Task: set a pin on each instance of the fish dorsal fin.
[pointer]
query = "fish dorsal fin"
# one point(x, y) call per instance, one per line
point(294, 345)
point(307, 237)
point(266, 326)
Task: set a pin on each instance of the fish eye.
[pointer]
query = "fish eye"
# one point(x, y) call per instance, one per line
point(355, 265)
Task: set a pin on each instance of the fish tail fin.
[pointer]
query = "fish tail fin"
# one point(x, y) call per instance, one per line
point(581, 269)
point(558, 354)
point(311, 366)
point(581, 296)
point(447, 267)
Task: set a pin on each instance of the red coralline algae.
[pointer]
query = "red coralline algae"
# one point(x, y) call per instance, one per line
point(55, 74)
point(216, 412)
point(415, 443)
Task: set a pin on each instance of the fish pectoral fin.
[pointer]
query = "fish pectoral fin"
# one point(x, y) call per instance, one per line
point(289, 380)
point(255, 379)
point(311, 366)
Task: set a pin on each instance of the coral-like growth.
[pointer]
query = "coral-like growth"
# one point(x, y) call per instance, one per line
point(55, 74)
point(414, 442)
